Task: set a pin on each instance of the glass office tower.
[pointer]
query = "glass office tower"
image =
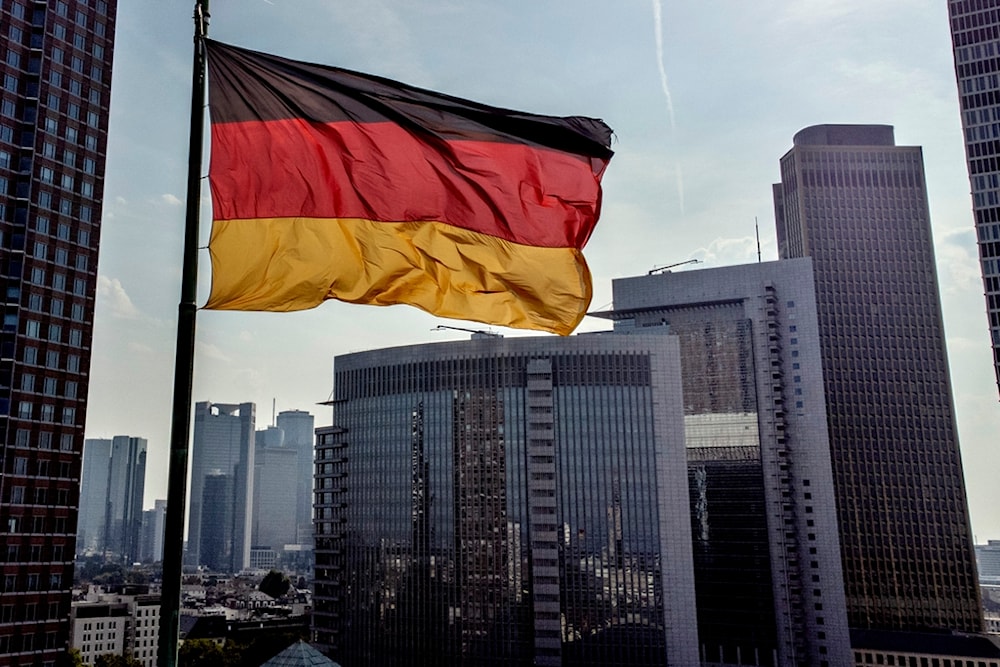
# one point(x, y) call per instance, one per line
point(506, 501)
point(55, 64)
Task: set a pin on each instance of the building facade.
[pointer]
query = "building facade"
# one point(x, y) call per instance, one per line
point(275, 521)
point(221, 495)
point(90, 535)
point(111, 495)
point(506, 501)
point(856, 203)
point(297, 426)
point(153, 526)
point(768, 577)
point(975, 35)
point(55, 64)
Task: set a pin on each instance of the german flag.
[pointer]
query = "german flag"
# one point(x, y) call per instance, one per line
point(330, 184)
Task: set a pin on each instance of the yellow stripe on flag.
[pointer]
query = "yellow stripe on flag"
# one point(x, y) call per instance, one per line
point(283, 264)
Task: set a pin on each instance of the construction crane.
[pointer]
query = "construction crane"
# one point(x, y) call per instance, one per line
point(670, 266)
point(480, 332)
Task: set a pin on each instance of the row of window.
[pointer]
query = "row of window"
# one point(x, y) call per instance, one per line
point(26, 410)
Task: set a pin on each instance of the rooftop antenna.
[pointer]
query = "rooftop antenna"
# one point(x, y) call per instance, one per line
point(756, 228)
point(667, 268)
point(274, 409)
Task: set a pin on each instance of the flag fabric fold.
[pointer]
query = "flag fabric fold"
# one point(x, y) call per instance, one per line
point(330, 184)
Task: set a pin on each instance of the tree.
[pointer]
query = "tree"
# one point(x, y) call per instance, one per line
point(275, 584)
point(200, 653)
point(71, 658)
point(114, 660)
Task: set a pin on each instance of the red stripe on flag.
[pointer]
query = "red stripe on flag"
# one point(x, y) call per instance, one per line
point(382, 171)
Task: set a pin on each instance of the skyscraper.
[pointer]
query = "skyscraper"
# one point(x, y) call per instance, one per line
point(222, 467)
point(856, 203)
point(90, 535)
point(506, 501)
point(975, 37)
point(55, 63)
point(126, 485)
point(111, 493)
point(768, 579)
point(297, 426)
point(274, 500)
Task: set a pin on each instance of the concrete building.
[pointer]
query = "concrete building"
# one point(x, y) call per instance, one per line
point(125, 625)
point(55, 90)
point(856, 203)
point(506, 501)
point(764, 528)
point(975, 35)
point(988, 561)
point(221, 494)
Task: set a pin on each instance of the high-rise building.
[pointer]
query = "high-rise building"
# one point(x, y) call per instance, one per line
point(506, 501)
point(856, 203)
point(274, 500)
point(55, 64)
point(126, 485)
point(90, 534)
point(222, 467)
point(152, 532)
point(111, 492)
point(975, 36)
point(298, 426)
point(767, 569)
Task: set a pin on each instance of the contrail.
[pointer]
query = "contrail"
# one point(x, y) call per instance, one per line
point(658, 26)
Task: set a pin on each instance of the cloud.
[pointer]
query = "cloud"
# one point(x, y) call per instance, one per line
point(112, 294)
point(658, 29)
point(210, 351)
point(728, 251)
point(171, 200)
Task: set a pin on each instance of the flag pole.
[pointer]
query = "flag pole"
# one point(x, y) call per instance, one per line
point(180, 426)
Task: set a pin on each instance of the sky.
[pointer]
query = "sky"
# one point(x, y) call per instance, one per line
point(704, 98)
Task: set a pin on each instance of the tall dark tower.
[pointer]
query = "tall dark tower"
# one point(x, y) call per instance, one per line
point(857, 204)
point(56, 88)
point(975, 37)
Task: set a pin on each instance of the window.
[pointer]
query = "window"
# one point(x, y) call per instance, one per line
point(70, 389)
point(55, 333)
point(69, 416)
point(45, 440)
point(25, 410)
point(76, 338)
point(57, 307)
point(49, 150)
point(46, 175)
point(59, 282)
point(66, 442)
point(81, 262)
point(48, 413)
point(31, 355)
point(32, 328)
point(52, 359)
point(73, 363)
point(27, 382)
point(49, 388)
point(77, 312)
point(80, 287)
